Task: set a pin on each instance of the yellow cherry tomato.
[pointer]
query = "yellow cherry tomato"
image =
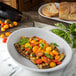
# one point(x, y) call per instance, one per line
point(2, 35)
point(56, 57)
point(0, 21)
point(52, 64)
point(40, 41)
point(10, 25)
point(27, 44)
point(6, 26)
point(33, 41)
point(51, 54)
point(7, 34)
point(55, 52)
point(35, 48)
point(48, 48)
point(15, 23)
point(2, 29)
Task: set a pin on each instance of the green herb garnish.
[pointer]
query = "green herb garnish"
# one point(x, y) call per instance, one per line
point(35, 39)
point(28, 47)
point(42, 45)
point(55, 45)
point(49, 56)
point(23, 41)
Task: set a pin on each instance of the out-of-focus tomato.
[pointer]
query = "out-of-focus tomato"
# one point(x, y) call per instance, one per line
point(38, 61)
point(2, 24)
point(2, 29)
point(2, 35)
point(4, 40)
point(7, 34)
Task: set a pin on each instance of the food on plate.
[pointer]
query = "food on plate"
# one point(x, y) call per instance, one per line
point(50, 10)
point(67, 10)
point(38, 51)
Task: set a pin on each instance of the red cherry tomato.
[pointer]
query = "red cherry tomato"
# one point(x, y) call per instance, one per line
point(2, 24)
point(55, 61)
point(4, 40)
point(37, 38)
point(58, 62)
point(27, 49)
point(38, 61)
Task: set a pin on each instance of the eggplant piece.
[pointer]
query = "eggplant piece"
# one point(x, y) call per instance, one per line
point(62, 55)
point(8, 12)
point(43, 66)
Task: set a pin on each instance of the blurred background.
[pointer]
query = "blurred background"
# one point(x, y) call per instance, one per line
point(24, 5)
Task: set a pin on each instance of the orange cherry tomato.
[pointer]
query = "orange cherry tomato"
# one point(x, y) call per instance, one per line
point(10, 25)
point(58, 62)
point(7, 34)
point(0, 22)
point(15, 23)
point(6, 26)
point(2, 29)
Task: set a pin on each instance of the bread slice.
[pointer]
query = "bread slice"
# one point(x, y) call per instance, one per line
point(50, 10)
point(67, 10)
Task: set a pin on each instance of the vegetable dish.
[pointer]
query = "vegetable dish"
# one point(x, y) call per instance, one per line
point(38, 51)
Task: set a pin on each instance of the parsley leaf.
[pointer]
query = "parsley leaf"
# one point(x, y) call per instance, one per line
point(23, 41)
point(49, 56)
point(42, 45)
point(55, 45)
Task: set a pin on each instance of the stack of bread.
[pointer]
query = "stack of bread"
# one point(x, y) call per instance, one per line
point(66, 11)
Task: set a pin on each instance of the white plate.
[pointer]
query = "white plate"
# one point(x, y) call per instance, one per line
point(54, 18)
point(44, 34)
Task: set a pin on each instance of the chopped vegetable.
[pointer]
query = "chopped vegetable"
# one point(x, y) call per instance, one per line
point(23, 41)
point(52, 64)
point(2, 24)
point(15, 23)
point(42, 45)
point(39, 52)
point(49, 56)
point(55, 45)
point(38, 61)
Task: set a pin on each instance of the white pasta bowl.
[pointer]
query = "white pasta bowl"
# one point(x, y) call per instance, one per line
point(44, 34)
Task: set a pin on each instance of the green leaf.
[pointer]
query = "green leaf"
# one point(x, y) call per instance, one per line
point(42, 45)
point(55, 45)
point(49, 56)
point(74, 42)
point(35, 39)
point(67, 37)
point(28, 47)
point(23, 41)
point(60, 25)
point(59, 32)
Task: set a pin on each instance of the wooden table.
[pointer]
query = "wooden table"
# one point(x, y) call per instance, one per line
point(36, 17)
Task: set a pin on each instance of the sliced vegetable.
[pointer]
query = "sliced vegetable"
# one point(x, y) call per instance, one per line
point(2, 36)
point(42, 45)
point(7, 34)
point(23, 41)
point(55, 45)
point(49, 56)
point(38, 61)
point(52, 64)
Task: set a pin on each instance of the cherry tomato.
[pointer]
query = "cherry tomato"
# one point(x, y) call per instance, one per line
point(27, 49)
point(2, 24)
point(58, 62)
point(15, 23)
point(7, 34)
point(38, 61)
point(2, 35)
point(37, 38)
point(4, 40)
point(2, 29)
point(55, 61)
point(39, 53)
point(6, 26)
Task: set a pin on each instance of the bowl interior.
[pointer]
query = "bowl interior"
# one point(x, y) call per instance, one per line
point(46, 35)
